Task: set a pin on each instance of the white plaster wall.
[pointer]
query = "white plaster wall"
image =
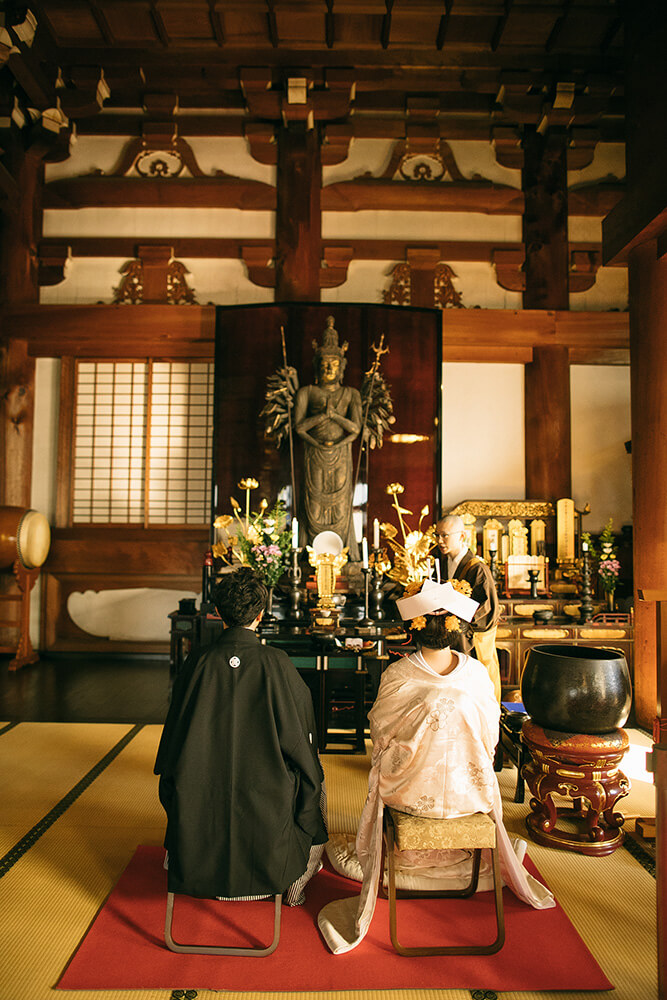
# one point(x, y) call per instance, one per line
point(376, 224)
point(601, 468)
point(584, 229)
point(482, 432)
point(610, 291)
point(608, 163)
point(44, 460)
point(158, 222)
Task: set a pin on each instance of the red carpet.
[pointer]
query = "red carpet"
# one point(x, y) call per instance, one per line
point(124, 948)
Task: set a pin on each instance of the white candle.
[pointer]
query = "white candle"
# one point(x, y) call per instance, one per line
point(376, 534)
point(584, 546)
point(364, 552)
point(295, 533)
point(437, 570)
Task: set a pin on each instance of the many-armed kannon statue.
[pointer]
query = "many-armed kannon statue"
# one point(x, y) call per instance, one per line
point(328, 416)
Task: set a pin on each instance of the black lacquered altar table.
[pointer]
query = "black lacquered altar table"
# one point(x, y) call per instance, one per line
point(341, 668)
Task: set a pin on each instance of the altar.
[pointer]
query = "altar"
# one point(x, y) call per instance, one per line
point(342, 669)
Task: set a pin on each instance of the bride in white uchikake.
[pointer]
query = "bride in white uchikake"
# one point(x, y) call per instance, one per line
point(434, 728)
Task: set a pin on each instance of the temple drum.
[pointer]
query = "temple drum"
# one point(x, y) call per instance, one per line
point(25, 534)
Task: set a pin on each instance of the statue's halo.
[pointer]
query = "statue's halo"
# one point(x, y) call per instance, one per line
point(327, 542)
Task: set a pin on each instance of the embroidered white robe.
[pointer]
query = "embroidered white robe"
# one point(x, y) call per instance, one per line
point(434, 738)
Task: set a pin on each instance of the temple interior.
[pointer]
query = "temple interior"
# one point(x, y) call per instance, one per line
point(456, 213)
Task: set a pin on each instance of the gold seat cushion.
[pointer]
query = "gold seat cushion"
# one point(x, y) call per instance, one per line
point(421, 833)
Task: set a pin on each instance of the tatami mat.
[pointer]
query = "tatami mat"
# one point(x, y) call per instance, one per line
point(52, 893)
point(41, 761)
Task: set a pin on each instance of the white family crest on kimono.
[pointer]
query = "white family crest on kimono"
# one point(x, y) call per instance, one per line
point(434, 738)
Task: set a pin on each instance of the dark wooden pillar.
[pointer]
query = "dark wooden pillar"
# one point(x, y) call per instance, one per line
point(19, 285)
point(298, 215)
point(648, 378)
point(547, 424)
point(547, 378)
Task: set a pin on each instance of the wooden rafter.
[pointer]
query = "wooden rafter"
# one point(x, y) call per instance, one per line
point(101, 20)
point(501, 25)
point(158, 22)
point(216, 23)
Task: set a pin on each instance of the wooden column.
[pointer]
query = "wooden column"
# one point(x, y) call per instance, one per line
point(298, 215)
point(19, 285)
point(547, 377)
point(647, 276)
point(547, 424)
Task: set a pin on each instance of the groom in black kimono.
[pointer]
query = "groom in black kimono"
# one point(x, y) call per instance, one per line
point(240, 778)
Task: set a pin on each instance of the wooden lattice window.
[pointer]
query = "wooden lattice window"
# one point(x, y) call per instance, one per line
point(142, 442)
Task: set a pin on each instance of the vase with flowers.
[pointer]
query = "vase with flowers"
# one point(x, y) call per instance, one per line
point(258, 539)
point(608, 566)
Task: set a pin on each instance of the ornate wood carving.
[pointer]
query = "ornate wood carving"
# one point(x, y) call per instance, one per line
point(436, 278)
point(444, 293)
point(426, 160)
point(400, 290)
point(160, 152)
point(154, 277)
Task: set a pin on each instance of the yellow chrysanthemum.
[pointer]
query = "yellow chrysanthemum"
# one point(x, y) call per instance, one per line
point(452, 623)
point(418, 623)
point(462, 586)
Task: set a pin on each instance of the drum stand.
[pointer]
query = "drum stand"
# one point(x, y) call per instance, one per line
point(24, 653)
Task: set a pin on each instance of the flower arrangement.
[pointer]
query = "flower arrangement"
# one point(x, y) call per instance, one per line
point(261, 540)
point(412, 562)
point(609, 566)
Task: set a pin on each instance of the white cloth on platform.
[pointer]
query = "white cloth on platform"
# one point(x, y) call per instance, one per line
point(434, 738)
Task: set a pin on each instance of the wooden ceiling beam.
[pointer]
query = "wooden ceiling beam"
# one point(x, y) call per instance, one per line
point(272, 24)
point(102, 22)
point(500, 26)
point(159, 24)
point(216, 23)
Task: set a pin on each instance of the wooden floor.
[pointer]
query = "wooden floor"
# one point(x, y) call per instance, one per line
point(86, 688)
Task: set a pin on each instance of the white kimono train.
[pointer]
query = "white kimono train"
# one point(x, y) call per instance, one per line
point(434, 739)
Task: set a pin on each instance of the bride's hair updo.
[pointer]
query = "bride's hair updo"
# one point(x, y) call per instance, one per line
point(437, 631)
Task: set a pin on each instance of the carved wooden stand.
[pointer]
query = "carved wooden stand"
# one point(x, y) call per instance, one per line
point(24, 654)
point(583, 768)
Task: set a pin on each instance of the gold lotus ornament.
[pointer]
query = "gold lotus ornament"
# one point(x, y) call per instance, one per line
point(412, 560)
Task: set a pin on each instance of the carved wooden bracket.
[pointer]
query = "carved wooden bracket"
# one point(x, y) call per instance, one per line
point(508, 265)
point(510, 275)
point(336, 144)
point(583, 271)
point(53, 261)
point(259, 261)
point(262, 141)
point(297, 97)
point(260, 265)
point(335, 265)
point(507, 144)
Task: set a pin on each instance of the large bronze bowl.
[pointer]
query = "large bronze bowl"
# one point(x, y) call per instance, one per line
point(576, 689)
